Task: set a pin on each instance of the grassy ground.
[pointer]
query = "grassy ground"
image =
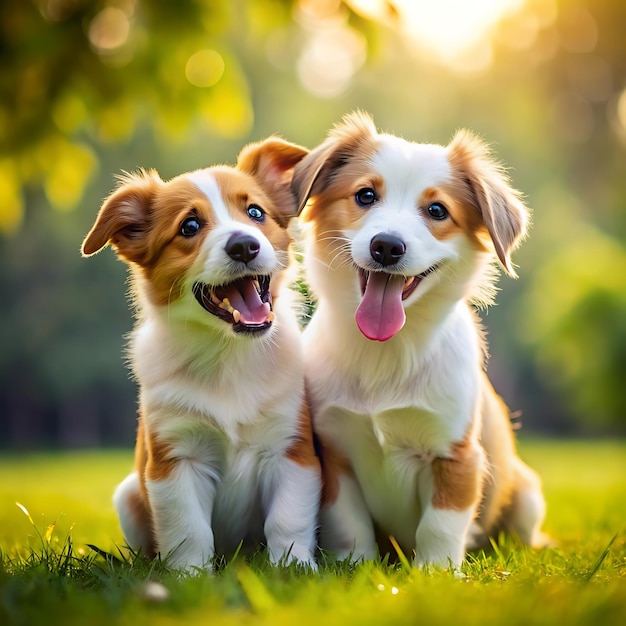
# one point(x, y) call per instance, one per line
point(48, 575)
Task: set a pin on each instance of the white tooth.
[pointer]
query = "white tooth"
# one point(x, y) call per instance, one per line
point(236, 315)
point(271, 317)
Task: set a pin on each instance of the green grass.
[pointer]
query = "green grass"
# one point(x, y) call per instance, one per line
point(49, 575)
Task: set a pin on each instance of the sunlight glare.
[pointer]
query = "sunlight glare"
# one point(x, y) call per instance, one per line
point(452, 27)
point(450, 30)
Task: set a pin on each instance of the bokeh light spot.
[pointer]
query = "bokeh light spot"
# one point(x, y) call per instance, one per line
point(67, 173)
point(109, 30)
point(204, 68)
point(330, 60)
point(578, 29)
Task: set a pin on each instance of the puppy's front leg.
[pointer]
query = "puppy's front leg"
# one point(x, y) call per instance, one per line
point(450, 491)
point(291, 486)
point(291, 496)
point(181, 491)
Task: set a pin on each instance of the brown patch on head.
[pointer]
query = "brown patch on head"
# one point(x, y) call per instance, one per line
point(142, 219)
point(167, 254)
point(272, 163)
point(462, 219)
point(302, 450)
point(457, 480)
point(351, 142)
point(479, 182)
point(240, 190)
point(329, 177)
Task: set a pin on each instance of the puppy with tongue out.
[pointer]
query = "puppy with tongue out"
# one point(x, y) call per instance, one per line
point(401, 241)
point(380, 315)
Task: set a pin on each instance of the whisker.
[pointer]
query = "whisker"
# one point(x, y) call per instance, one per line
point(341, 249)
point(344, 256)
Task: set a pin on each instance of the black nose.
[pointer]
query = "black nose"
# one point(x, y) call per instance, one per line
point(242, 247)
point(387, 249)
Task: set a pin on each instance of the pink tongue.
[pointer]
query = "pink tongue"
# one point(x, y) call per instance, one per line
point(381, 314)
point(245, 298)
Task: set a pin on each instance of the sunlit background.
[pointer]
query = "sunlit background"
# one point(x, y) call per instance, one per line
point(89, 89)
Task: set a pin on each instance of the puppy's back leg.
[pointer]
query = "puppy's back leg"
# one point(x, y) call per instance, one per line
point(134, 515)
point(528, 507)
point(346, 527)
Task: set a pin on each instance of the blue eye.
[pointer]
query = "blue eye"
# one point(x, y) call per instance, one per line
point(437, 211)
point(256, 213)
point(365, 197)
point(190, 226)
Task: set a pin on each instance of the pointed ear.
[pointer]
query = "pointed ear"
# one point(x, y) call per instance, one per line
point(272, 162)
point(504, 214)
point(124, 218)
point(314, 172)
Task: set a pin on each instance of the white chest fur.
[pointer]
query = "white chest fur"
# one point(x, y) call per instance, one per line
point(227, 383)
point(391, 408)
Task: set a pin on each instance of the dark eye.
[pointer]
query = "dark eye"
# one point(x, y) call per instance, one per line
point(437, 211)
point(256, 213)
point(190, 226)
point(365, 196)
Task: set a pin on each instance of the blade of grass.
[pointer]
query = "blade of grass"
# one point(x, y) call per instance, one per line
point(110, 558)
point(405, 562)
point(24, 510)
point(257, 593)
point(598, 564)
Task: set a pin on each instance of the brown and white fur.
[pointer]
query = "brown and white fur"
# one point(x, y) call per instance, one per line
point(415, 444)
point(224, 449)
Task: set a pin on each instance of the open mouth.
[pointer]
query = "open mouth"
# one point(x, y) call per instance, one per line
point(381, 315)
point(409, 286)
point(245, 303)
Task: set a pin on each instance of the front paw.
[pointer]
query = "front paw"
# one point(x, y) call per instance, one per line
point(302, 557)
point(190, 562)
point(439, 551)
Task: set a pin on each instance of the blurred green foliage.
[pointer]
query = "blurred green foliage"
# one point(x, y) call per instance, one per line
point(88, 89)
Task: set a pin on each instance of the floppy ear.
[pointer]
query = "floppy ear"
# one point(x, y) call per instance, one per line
point(272, 162)
point(503, 212)
point(307, 174)
point(314, 172)
point(124, 218)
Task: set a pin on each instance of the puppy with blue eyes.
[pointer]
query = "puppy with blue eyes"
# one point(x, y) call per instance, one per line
point(415, 444)
point(224, 450)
